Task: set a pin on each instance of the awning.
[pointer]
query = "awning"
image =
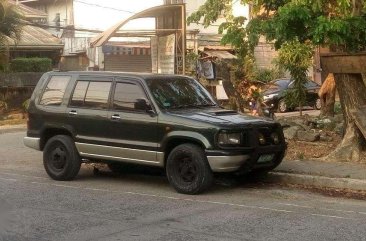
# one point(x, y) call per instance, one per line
point(219, 54)
point(153, 12)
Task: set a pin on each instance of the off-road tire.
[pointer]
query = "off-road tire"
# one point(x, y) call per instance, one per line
point(61, 159)
point(188, 170)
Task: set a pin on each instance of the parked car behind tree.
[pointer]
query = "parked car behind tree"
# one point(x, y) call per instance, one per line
point(275, 92)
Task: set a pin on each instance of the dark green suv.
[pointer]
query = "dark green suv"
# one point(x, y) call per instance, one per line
point(167, 121)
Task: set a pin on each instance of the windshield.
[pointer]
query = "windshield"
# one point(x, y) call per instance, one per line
point(179, 93)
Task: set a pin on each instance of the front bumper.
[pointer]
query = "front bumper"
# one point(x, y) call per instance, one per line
point(32, 142)
point(244, 161)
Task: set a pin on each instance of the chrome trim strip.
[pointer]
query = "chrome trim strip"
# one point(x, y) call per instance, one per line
point(119, 141)
point(32, 142)
point(226, 163)
point(121, 154)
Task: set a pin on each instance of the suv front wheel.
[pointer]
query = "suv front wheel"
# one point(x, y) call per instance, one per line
point(187, 169)
point(61, 159)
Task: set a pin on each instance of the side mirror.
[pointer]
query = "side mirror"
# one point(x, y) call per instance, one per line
point(141, 104)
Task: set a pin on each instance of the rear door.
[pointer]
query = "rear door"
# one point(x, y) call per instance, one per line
point(88, 112)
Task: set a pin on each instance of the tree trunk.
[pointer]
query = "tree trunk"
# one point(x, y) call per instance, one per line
point(351, 89)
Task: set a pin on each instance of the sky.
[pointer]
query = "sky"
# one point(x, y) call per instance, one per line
point(96, 14)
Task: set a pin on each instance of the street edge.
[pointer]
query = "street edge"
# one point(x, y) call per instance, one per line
point(12, 129)
point(317, 181)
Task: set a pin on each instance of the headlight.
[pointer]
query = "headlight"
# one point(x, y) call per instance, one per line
point(229, 139)
point(261, 139)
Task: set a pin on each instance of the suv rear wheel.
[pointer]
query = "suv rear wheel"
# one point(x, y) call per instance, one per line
point(61, 159)
point(187, 169)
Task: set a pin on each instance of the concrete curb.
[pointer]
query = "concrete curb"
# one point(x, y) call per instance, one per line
point(317, 181)
point(12, 129)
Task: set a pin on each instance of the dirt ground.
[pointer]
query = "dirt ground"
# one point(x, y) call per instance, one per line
point(298, 150)
point(13, 117)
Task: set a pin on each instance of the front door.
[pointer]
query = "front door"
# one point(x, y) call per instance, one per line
point(132, 130)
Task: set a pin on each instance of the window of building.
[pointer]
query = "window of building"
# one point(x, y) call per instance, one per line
point(55, 90)
point(126, 96)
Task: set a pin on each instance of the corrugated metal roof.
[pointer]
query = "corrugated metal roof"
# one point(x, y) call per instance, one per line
point(32, 36)
point(28, 12)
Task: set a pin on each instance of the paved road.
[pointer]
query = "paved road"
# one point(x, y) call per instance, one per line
point(141, 207)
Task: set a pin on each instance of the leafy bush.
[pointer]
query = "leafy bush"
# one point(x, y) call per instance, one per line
point(3, 106)
point(337, 108)
point(264, 75)
point(31, 65)
point(25, 105)
point(292, 99)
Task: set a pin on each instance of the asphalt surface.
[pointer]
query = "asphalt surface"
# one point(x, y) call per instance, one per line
point(137, 206)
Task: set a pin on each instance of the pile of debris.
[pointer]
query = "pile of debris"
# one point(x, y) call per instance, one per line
point(312, 129)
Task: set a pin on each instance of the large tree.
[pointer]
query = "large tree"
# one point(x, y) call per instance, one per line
point(338, 24)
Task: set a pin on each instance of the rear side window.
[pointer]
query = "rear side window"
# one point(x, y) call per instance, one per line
point(55, 90)
point(126, 96)
point(91, 94)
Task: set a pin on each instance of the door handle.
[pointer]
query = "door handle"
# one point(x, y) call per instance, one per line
point(73, 112)
point(115, 117)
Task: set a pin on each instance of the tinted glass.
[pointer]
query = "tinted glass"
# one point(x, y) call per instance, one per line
point(179, 93)
point(55, 90)
point(127, 95)
point(97, 95)
point(79, 93)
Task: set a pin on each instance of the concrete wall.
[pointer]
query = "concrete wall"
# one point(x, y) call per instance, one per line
point(19, 79)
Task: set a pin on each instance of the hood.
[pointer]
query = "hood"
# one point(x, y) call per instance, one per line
point(270, 92)
point(220, 116)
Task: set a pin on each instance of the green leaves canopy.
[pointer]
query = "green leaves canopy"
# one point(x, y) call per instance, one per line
point(320, 22)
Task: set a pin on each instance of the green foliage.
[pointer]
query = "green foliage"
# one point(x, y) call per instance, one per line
point(210, 11)
point(31, 65)
point(292, 100)
point(25, 105)
point(337, 108)
point(296, 58)
point(11, 23)
point(3, 106)
point(266, 75)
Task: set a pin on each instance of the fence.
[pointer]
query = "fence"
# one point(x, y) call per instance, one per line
point(27, 79)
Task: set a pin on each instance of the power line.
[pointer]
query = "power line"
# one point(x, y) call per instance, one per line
point(105, 7)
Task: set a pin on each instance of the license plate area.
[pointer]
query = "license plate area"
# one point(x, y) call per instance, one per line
point(265, 158)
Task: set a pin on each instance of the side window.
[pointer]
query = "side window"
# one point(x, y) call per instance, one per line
point(126, 96)
point(55, 90)
point(79, 93)
point(91, 94)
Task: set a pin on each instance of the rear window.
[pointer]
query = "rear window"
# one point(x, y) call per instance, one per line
point(91, 94)
point(55, 90)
